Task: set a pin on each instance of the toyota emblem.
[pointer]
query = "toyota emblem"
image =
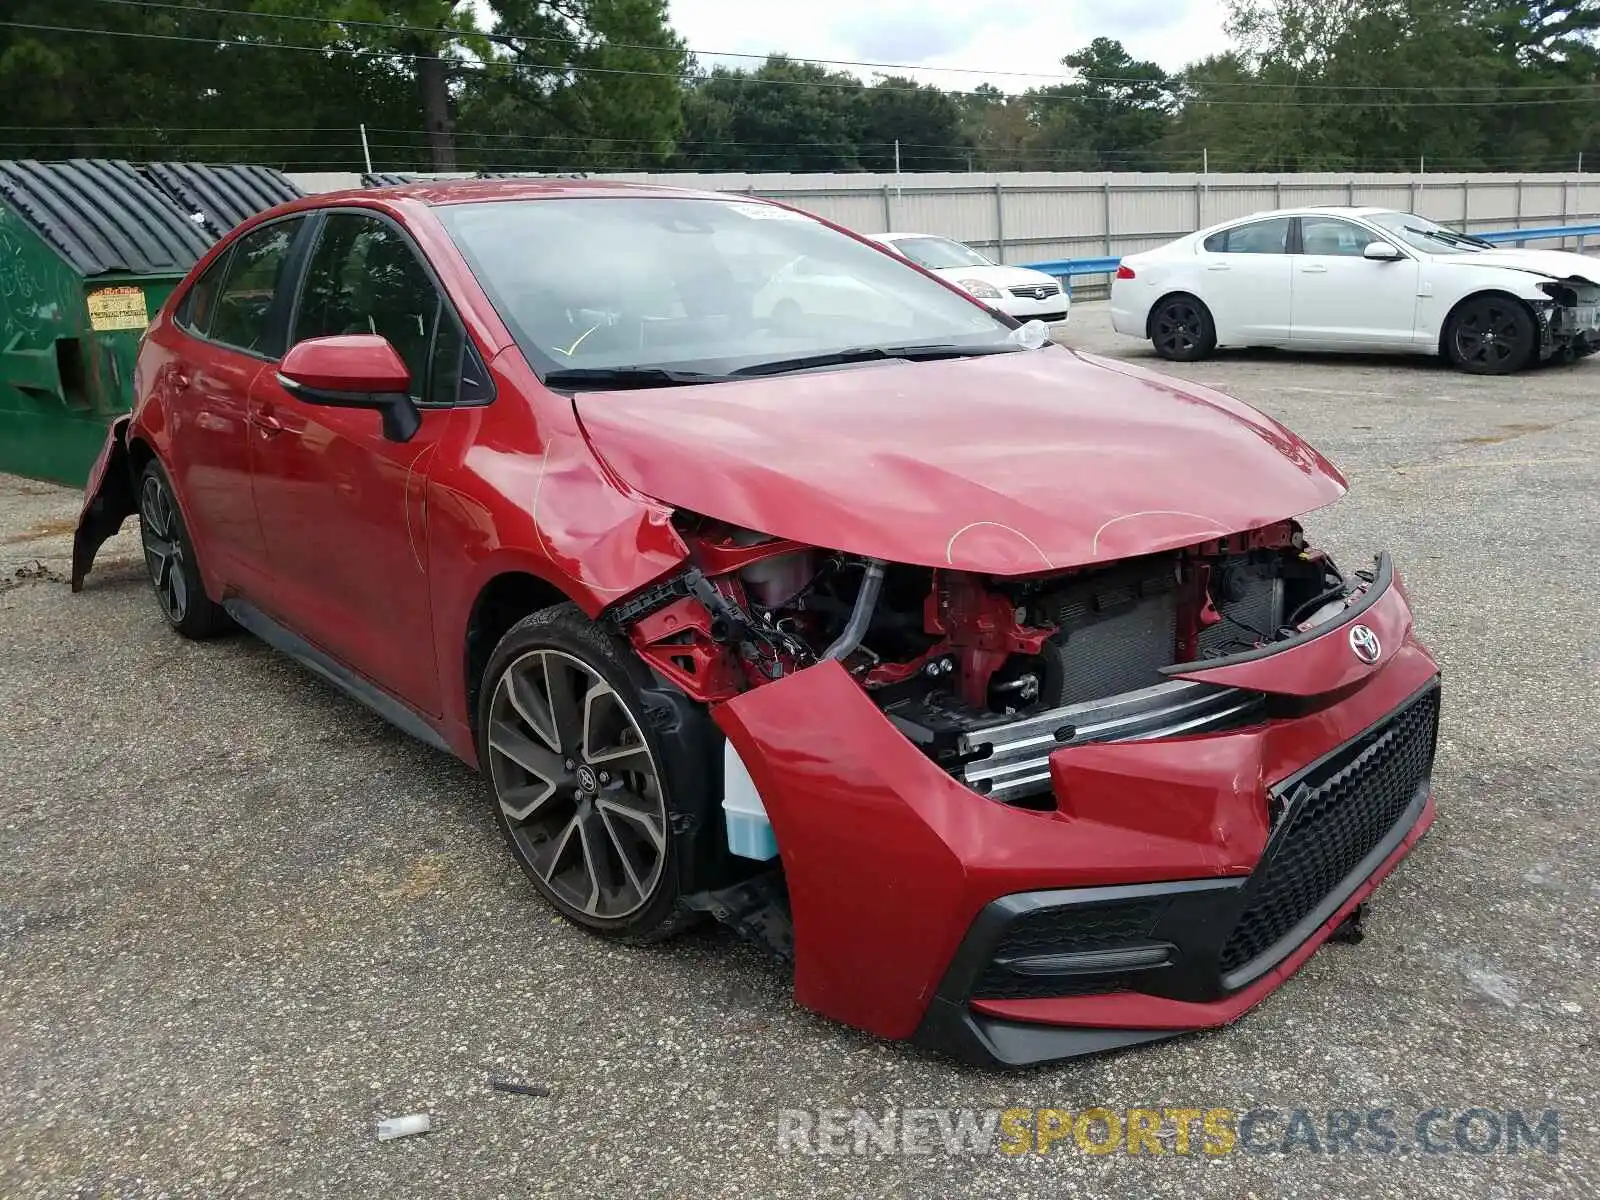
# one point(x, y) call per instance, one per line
point(1365, 644)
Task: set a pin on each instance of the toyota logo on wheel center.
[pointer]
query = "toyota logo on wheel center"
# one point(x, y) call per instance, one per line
point(1365, 644)
point(587, 779)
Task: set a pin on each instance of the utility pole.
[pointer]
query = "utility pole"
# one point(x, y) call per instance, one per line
point(366, 150)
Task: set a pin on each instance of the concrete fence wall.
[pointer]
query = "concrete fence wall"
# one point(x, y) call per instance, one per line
point(1020, 217)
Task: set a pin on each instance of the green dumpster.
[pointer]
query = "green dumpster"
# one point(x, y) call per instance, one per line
point(89, 251)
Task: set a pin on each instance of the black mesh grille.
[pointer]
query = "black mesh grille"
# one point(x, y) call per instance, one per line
point(1067, 931)
point(1335, 816)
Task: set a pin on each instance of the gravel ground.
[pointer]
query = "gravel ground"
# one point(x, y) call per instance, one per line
point(242, 919)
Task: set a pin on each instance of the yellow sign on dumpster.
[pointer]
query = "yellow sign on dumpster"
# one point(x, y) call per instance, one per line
point(118, 308)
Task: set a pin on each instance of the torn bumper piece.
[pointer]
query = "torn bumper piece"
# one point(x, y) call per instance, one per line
point(1175, 884)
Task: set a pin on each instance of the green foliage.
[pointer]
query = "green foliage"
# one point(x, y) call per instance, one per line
point(553, 85)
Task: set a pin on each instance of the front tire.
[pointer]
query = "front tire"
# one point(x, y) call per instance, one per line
point(170, 559)
point(1181, 329)
point(580, 784)
point(1490, 335)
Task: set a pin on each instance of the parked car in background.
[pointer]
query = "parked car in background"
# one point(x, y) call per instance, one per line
point(1016, 291)
point(1359, 279)
point(996, 687)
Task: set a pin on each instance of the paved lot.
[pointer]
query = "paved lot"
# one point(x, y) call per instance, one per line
point(240, 919)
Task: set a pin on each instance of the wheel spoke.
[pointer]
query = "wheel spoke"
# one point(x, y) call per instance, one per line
point(177, 591)
point(565, 709)
point(538, 761)
point(590, 854)
point(547, 859)
point(527, 801)
point(532, 707)
point(619, 847)
point(609, 736)
point(643, 815)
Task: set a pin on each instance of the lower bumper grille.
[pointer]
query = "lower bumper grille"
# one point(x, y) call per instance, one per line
point(1334, 814)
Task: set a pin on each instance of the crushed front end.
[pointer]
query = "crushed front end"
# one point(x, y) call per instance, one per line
point(1569, 321)
point(1024, 818)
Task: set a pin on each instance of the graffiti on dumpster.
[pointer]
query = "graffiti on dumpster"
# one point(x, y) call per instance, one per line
point(22, 297)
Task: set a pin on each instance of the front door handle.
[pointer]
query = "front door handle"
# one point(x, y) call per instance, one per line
point(1314, 269)
point(1219, 267)
point(268, 424)
point(179, 381)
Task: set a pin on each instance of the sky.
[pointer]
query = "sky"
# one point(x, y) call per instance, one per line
point(1014, 36)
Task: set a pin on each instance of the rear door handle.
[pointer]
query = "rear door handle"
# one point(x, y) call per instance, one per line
point(1219, 267)
point(179, 381)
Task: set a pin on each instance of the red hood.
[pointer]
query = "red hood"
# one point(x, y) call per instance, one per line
point(1006, 464)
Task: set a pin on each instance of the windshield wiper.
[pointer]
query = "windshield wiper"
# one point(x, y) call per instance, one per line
point(917, 353)
point(620, 378)
point(1452, 239)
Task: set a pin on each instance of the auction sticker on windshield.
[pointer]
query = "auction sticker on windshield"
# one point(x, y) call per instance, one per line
point(767, 212)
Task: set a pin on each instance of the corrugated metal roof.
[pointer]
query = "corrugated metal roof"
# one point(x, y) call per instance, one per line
point(223, 196)
point(376, 179)
point(533, 174)
point(101, 216)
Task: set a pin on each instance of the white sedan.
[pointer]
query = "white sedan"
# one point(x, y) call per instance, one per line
point(1361, 279)
point(1016, 291)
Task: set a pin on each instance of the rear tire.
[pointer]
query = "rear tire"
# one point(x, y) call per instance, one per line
point(581, 787)
point(170, 559)
point(1181, 329)
point(1490, 335)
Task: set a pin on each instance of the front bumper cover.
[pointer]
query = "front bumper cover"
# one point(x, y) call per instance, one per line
point(1174, 957)
point(890, 861)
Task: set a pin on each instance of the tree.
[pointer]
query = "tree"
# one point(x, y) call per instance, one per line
point(424, 33)
point(597, 84)
point(783, 116)
point(998, 127)
point(924, 120)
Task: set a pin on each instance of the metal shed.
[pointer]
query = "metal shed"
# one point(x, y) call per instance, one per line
point(89, 251)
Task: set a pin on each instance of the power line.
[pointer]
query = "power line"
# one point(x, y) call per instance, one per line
point(1080, 77)
point(403, 56)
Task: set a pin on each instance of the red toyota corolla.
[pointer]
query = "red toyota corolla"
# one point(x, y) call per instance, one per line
point(763, 574)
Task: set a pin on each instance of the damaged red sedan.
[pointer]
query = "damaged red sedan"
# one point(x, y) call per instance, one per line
point(765, 575)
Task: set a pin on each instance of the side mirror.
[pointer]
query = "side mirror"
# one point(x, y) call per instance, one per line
point(355, 370)
point(1381, 252)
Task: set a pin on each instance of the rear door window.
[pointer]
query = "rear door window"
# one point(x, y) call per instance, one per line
point(194, 313)
point(1258, 237)
point(249, 312)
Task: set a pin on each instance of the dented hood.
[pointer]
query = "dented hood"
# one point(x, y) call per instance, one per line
point(1557, 264)
point(1006, 464)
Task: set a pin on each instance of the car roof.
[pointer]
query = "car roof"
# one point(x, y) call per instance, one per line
point(1332, 210)
point(439, 193)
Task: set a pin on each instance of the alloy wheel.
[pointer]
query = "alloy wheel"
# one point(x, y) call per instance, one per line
point(163, 548)
point(1178, 328)
point(1488, 334)
point(578, 785)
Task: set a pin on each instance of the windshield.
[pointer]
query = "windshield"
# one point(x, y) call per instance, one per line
point(938, 253)
point(1427, 235)
point(699, 285)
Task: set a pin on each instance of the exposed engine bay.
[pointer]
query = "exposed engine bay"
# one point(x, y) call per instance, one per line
point(986, 675)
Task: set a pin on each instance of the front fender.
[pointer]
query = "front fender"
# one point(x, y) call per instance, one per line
point(108, 500)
